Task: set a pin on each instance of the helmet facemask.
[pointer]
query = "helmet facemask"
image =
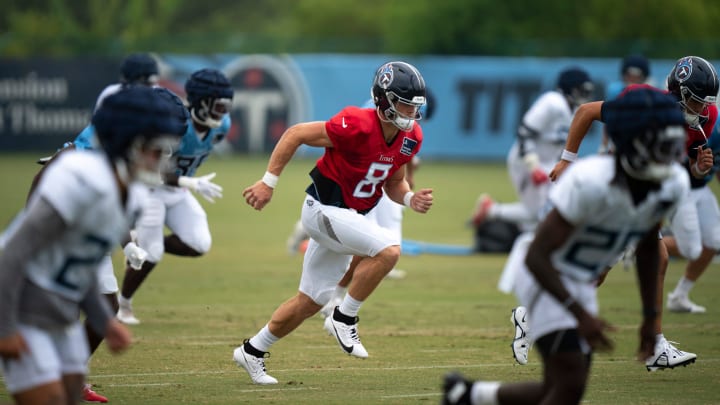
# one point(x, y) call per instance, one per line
point(149, 160)
point(694, 107)
point(651, 155)
point(581, 94)
point(402, 112)
point(210, 111)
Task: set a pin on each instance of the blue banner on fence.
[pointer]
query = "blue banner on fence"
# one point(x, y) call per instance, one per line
point(480, 100)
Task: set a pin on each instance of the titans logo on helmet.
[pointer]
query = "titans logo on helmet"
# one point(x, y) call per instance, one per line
point(684, 69)
point(386, 76)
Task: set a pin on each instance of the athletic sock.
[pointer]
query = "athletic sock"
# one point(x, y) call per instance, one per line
point(684, 286)
point(263, 340)
point(484, 393)
point(350, 306)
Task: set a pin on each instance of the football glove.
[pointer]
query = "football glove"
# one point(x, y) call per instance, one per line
point(135, 255)
point(537, 175)
point(202, 185)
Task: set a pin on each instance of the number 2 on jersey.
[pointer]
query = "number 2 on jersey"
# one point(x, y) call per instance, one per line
point(98, 246)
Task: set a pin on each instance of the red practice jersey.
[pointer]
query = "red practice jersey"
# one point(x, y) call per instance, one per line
point(360, 160)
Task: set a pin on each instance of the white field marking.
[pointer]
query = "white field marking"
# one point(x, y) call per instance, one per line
point(355, 369)
point(334, 370)
point(225, 339)
point(430, 394)
point(176, 384)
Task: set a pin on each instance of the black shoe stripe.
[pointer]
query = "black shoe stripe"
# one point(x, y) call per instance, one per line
point(348, 349)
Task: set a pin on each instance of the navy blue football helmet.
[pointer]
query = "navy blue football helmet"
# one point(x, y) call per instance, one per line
point(210, 95)
point(398, 82)
point(132, 122)
point(635, 65)
point(576, 85)
point(693, 78)
point(647, 130)
point(180, 112)
point(139, 68)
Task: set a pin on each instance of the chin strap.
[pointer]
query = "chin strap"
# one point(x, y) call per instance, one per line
point(122, 171)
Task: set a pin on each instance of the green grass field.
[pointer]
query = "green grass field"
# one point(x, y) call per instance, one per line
point(446, 315)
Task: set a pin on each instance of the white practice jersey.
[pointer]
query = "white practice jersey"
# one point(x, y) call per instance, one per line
point(605, 217)
point(549, 117)
point(82, 187)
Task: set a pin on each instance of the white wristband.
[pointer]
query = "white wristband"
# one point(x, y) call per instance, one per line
point(699, 172)
point(408, 196)
point(569, 156)
point(270, 179)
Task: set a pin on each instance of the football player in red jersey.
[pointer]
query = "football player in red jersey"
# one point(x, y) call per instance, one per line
point(694, 83)
point(366, 151)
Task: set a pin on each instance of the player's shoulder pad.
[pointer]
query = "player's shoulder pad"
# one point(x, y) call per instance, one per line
point(592, 174)
point(85, 165)
point(679, 179)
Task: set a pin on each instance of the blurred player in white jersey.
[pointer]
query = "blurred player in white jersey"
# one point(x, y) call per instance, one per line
point(82, 207)
point(138, 69)
point(600, 205)
point(366, 152)
point(209, 95)
point(540, 139)
point(693, 82)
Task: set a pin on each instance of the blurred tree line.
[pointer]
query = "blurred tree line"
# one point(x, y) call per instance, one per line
point(591, 28)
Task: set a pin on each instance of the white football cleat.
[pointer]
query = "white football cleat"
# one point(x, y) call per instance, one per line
point(296, 238)
point(668, 356)
point(396, 274)
point(346, 333)
point(681, 303)
point(254, 365)
point(521, 343)
point(125, 314)
point(481, 210)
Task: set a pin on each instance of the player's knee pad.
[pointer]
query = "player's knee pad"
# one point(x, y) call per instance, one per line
point(200, 243)
point(690, 251)
point(155, 251)
point(713, 240)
